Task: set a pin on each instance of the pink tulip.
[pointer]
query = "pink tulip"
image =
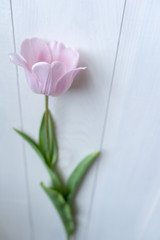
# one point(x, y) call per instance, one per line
point(50, 68)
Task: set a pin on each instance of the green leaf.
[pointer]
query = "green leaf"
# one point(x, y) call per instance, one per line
point(55, 179)
point(32, 143)
point(43, 141)
point(62, 207)
point(77, 175)
point(56, 182)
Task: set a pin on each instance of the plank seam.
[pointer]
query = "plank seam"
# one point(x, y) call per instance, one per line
point(105, 122)
point(21, 123)
point(149, 216)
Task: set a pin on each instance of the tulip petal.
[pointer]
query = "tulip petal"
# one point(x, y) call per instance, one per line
point(48, 75)
point(35, 50)
point(68, 56)
point(30, 78)
point(32, 81)
point(58, 70)
point(65, 82)
point(42, 70)
point(16, 59)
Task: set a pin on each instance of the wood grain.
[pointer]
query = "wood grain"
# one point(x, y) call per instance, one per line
point(92, 27)
point(14, 218)
point(113, 106)
point(126, 203)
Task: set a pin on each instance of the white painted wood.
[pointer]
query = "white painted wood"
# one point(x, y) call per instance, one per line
point(120, 198)
point(92, 27)
point(126, 201)
point(14, 219)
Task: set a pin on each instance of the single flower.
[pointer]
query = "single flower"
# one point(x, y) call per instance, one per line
point(50, 68)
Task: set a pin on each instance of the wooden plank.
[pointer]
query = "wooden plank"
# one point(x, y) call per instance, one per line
point(92, 27)
point(14, 219)
point(126, 198)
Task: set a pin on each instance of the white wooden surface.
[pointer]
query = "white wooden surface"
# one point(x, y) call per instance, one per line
point(113, 106)
point(14, 219)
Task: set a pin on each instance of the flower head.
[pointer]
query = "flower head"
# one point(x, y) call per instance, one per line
point(50, 68)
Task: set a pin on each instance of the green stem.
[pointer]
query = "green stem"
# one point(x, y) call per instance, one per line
point(47, 132)
point(68, 237)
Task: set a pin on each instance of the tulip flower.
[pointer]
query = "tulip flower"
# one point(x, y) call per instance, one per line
point(50, 68)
